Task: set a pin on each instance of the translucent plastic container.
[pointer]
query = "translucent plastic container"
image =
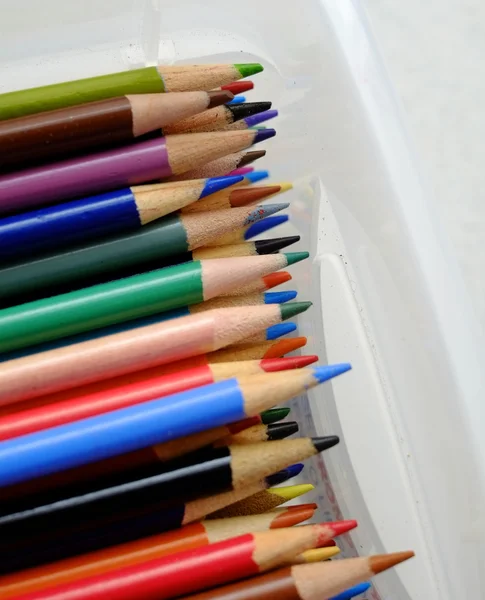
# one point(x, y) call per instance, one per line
point(386, 292)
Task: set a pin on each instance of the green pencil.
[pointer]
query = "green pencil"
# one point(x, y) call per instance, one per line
point(102, 260)
point(132, 297)
point(162, 78)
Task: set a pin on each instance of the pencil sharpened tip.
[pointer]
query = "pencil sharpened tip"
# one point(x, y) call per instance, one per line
point(215, 184)
point(248, 69)
point(352, 592)
point(341, 527)
point(263, 134)
point(279, 477)
point(293, 491)
point(294, 308)
point(325, 442)
point(218, 97)
point(246, 110)
point(273, 415)
point(264, 225)
point(382, 562)
point(297, 468)
point(280, 431)
point(237, 100)
point(250, 157)
point(276, 331)
point(294, 257)
point(272, 246)
point(238, 87)
point(261, 117)
point(327, 372)
point(256, 176)
point(279, 297)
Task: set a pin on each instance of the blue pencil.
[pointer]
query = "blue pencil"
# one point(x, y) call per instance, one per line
point(78, 221)
point(266, 298)
point(150, 423)
point(352, 592)
point(237, 100)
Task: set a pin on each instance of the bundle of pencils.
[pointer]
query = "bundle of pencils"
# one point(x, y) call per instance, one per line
point(142, 356)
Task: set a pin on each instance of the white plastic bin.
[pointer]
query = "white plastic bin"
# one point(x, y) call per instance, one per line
point(386, 291)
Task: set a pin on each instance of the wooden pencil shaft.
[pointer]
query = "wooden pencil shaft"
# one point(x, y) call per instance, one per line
point(130, 164)
point(92, 126)
point(151, 247)
point(177, 78)
point(125, 352)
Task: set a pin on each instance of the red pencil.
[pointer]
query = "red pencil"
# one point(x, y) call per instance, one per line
point(197, 569)
point(81, 403)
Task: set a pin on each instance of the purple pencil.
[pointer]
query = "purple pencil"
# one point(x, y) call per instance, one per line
point(129, 165)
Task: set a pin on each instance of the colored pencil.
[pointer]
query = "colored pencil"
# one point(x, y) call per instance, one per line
point(106, 435)
point(128, 165)
point(271, 333)
point(239, 196)
point(261, 501)
point(304, 582)
point(273, 415)
point(242, 171)
point(221, 166)
point(94, 473)
point(79, 221)
point(156, 486)
point(63, 132)
point(140, 386)
point(250, 351)
point(316, 555)
point(237, 100)
point(126, 299)
point(253, 121)
point(237, 87)
point(217, 118)
point(162, 78)
point(249, 231)
point(262, 284)
point(44, 547)
point(124, 255)
point(193, 569)
point(267, 246)
point(128, 352)
point(196, 535)
point(259, 433)
point(352, 592)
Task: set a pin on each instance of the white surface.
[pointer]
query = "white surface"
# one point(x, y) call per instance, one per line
point(434, 52)
point(385, 290)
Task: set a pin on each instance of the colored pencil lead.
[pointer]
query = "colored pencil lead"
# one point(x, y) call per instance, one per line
point(276, 331)
point(273, 415)
point(352, 592)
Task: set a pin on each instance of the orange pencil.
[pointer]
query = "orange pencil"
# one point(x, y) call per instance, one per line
point(250, 351)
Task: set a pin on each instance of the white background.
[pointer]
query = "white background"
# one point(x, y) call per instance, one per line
point(434, 51)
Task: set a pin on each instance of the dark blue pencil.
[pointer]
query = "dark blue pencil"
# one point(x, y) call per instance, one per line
point(118, 211)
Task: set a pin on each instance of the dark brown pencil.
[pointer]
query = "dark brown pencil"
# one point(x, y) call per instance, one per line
point(96, 125)
point(221, 166)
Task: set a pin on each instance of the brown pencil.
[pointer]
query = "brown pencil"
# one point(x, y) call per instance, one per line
point(260, 501)
point(59, 133)
point(233, 198)
point(306, 582)
point(221, 166)
point(250, 351)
